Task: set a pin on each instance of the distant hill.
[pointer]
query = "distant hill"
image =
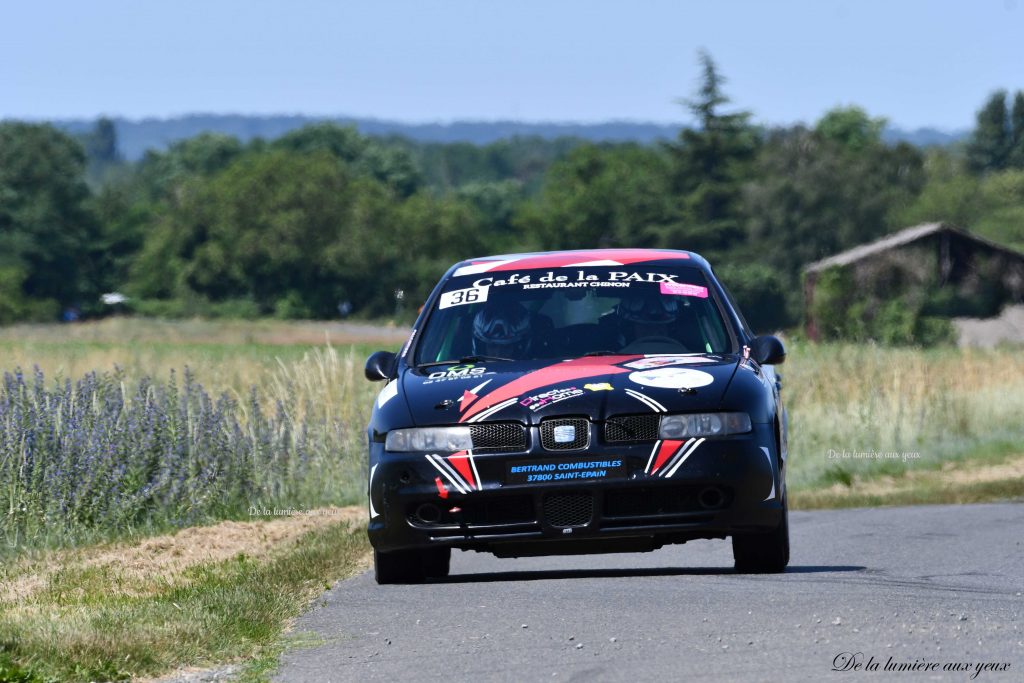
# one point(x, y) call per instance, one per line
point(925, 137)
point(136, 136)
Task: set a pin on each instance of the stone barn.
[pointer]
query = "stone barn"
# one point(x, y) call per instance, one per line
point(911, 287)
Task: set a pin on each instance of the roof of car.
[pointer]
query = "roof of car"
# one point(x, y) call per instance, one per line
point(570, 258)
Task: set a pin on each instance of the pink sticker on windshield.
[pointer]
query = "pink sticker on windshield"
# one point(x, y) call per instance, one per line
point(684, 290)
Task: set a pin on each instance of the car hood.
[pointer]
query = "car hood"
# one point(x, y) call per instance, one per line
point(596, 387)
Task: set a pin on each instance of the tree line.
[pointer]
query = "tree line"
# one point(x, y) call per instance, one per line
point(324, 221)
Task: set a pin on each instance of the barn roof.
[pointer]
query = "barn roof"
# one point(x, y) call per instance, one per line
point(898, 239)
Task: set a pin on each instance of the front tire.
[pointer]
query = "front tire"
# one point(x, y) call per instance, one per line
point(411, 566)
point(436, 562)
point(763, 553)
point(397, 566)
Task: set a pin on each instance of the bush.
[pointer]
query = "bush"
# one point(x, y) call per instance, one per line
point(892, 313)
point(98, 457)
point(15, 306)
point(760, 293)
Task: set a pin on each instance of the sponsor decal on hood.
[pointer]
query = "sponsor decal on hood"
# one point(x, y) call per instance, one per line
point(550, 397)
point(455, 372)
point(567, 371)
point(672, 378)
point(651, 362)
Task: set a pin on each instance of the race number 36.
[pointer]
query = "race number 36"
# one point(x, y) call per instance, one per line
point(461, 297)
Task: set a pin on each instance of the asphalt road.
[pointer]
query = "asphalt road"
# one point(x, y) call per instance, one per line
point(928, 584)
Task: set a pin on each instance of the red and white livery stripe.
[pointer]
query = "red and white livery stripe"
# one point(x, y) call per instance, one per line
point(447, 472)
point(668, 455)
point(568, 259)
point(459, 469)
point(647, 401)
point(681, 457)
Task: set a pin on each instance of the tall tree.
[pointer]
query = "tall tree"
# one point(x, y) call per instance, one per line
point(813, 196)
point(160, 176)
point(388, 163)
point(103, 159)
point(709, 164)
point(990, 143)
point(1016, 156)
point(45, 225)
point(601, 197)
point(950, 194)
point(851, 127)
point(101, 144)
point(272, 228)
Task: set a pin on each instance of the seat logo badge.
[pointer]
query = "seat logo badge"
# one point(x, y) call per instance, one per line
point(565, 433)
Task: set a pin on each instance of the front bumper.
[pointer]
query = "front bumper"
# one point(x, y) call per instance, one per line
point(722, 487)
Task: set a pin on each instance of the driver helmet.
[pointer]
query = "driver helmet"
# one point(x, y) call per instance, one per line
point(502, 329)
point(648, 309)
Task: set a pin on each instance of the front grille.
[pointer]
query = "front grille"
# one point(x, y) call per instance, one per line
point(564, 510)
point(498, 437)
point(631, 428)
point(581, 434)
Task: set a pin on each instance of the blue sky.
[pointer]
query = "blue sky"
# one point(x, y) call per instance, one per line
point(916, 62)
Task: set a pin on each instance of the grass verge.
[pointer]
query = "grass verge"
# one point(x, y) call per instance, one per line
point(977, 480)
point(98, 621)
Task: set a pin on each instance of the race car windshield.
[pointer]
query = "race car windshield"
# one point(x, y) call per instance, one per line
point(575, 311)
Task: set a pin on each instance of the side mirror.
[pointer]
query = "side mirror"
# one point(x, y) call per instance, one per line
point(767, 350)
point(380, 366)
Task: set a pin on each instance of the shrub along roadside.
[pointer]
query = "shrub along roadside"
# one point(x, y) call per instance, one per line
point(103, 457)
point(86, 626)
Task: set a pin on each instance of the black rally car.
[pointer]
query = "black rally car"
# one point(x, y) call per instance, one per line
point(577, 402)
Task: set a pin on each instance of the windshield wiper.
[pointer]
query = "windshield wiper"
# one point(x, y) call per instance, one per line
point(601, 353)
point(465, 359)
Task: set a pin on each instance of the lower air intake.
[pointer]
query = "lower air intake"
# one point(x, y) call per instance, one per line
point(566, 510)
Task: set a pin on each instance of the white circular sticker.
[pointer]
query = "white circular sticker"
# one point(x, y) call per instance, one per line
point(672, 378)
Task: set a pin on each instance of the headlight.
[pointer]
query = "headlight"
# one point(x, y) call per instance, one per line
point(429, 439)
point(703, 424)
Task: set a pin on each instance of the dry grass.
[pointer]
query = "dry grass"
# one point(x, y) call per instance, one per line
point(219, 365)
point(146, 566)
point(144, 609)
point(230, 332)
point(936, 405)
point(955, 482)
